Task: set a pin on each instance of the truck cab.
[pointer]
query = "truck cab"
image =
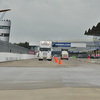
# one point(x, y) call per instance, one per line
point(45, 50)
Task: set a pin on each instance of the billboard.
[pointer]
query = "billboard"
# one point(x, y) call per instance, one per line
point(78, 44)
point(34, 43)
point(60, 44)
point(32, 52)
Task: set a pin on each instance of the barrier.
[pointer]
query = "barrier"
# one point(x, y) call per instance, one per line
point(55, 59)
point(14, 56)
point(59, 63)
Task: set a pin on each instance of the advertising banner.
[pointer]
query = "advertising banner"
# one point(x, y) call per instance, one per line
point(32, 52)
point(78, 44)
point(60, 44)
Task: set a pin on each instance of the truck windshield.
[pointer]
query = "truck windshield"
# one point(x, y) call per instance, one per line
point(45, 49)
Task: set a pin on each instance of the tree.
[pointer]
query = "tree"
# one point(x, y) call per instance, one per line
point(26, 45)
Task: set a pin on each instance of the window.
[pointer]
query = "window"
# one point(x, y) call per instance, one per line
point(1, 34)
point(45, 49)
point(6, 35)
point(4, 27)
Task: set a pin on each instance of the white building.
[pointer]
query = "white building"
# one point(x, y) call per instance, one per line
point(5, 26)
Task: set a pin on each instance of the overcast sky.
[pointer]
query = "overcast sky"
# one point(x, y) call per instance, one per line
point(35, 20)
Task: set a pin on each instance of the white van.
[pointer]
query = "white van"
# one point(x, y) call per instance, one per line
point(64, 54)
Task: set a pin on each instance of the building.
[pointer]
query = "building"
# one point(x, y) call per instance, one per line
point(5, 26)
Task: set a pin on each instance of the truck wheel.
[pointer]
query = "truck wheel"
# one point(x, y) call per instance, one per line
point(49, 59)
point(40, 59)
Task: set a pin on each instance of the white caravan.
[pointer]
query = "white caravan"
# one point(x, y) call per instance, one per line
point(45, 50)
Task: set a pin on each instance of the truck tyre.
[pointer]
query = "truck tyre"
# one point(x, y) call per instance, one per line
point(49, 59)
point(40, 59)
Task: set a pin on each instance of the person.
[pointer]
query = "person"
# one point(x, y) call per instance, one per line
point(10, 51)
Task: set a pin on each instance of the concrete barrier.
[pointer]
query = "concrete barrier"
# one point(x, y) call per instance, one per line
point(14, 56)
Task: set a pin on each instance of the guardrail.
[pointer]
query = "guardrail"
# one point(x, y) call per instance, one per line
point(14, 56)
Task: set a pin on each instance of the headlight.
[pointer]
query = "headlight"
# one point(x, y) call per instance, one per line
point(49, 56)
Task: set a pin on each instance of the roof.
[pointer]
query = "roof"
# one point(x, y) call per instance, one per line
point(92, 49)
point(5, 10)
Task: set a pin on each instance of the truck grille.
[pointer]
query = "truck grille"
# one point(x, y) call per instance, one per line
point(64, 56)
point(44, 54)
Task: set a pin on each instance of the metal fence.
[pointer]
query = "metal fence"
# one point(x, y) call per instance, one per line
point(9, 47)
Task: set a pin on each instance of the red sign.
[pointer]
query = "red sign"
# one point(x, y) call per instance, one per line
point(32, 52)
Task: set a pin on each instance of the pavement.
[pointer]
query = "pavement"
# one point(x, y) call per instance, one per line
point(66, 93)
point(74, 79)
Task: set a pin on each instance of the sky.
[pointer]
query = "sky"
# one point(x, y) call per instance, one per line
point(36, 20)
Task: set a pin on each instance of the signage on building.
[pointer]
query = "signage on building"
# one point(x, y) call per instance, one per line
point(59, 44)
point(32, 52)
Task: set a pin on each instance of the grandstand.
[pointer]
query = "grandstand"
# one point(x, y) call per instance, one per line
point(9, 47)
point(91, 46)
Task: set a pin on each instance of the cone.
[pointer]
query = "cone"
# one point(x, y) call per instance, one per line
point(55, 59)
point(59, 61)
point(88, 57)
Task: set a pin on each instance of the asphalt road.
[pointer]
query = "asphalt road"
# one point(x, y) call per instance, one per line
point(72, 80)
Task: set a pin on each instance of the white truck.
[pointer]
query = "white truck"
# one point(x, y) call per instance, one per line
point(64, 54)
point(45, 50)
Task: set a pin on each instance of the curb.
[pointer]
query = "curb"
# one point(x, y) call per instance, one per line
point(88, 61)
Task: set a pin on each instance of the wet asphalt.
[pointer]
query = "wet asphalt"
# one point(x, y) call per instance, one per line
point(46, 74)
